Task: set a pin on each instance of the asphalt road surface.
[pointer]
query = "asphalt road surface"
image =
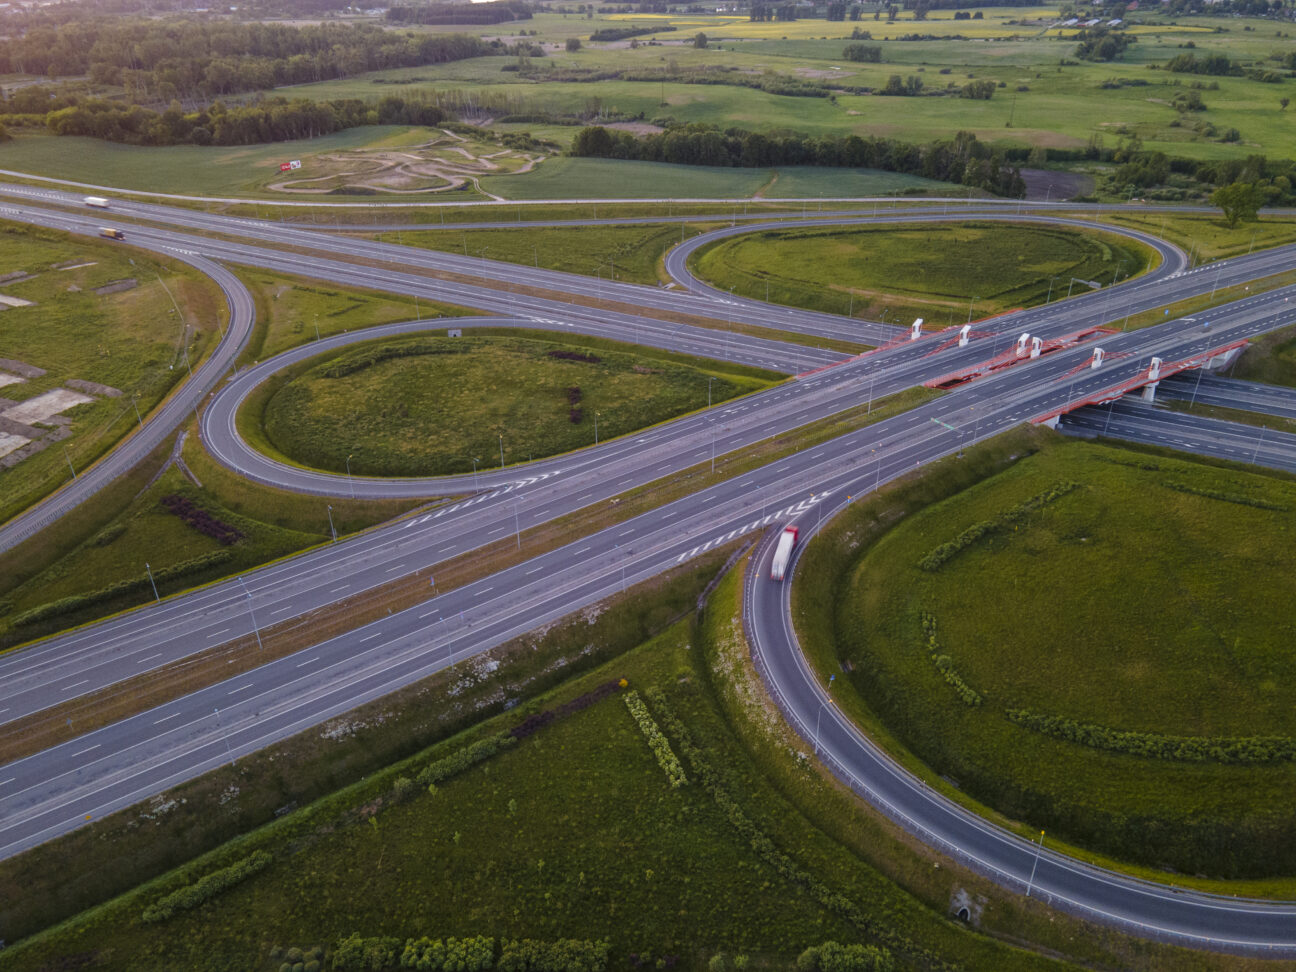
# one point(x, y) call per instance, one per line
point(52, 791)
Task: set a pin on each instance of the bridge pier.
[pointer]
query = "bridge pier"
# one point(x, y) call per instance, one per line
point(1154, 373)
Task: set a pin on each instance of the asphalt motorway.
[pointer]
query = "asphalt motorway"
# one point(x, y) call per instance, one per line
point(42, 793)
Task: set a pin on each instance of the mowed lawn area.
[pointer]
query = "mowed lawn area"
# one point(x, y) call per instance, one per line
point(430, 405)
point(1096, 642)
point(945, 273)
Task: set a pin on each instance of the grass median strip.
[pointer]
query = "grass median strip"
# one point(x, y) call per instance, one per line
point(66, 721)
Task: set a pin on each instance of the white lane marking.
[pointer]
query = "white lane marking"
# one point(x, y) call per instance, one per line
point(84, 751)
point(68, 688)
point(483, 591)
point(308, 661)
point(394, 567)
point(217, 634)
point(165, 718)
point(241, 688)
point(10, 780)
point(342, 588)
point(149, 658)
point(535, 570)
point(376, 634)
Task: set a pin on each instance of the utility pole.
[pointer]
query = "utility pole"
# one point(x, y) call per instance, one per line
point(156, 597)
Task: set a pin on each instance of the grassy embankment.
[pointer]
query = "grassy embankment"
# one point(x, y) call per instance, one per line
point(427, 406)
point(98, 554)
point(947, 274)
point(132, 341)
point(537, 841)
point(1140, 602)
point(62, 722)
point(493, 848)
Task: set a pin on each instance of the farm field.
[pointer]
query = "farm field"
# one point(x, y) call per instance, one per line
point(1088, 552)
point(91, 334)
point(945, 273)
point(1042, 102)
point(428, 406)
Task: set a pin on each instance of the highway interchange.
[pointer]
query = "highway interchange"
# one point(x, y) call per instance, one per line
point(53, 791)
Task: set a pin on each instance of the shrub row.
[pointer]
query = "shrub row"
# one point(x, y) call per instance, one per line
point(948, 550)
point(538, 720)
point(1224, 497)
point(201, 520)
point(658, 743)
point(765, 848)
point(564, 955)
point(77, 601)
point(202, 891)
point(832, 957)
point(470, 955)
point(945, 665)
point(462, 759)
point(625, 33)
point(1244, 750)
point(565, 355)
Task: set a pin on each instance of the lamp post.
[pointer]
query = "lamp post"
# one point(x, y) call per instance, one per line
point(350, 479)
point(332, 529)
point(475, 460)
point(596, 415)
point(501, 438)
point(251, 613)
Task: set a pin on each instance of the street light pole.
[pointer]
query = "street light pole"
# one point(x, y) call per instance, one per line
point(350, 480)
point(709, 380)
point(475, 486)
point(596, 415)
point(152, 581)
point(225, 735)
point(251, 613)
point(501, 438)
point(332, 529)
point(1038, 848)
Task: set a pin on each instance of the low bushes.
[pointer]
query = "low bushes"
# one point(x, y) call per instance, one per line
point(470, 955)
point(74, 602)
point(202, 891)
point(765, 848)
point(564, 355)
point(1244, 750)
point(201, 520)
point(658, 743)
point(538, 720)
point(950, 549)
point(832, 957)
point(1224, 497)
point(462, 759)
point(945, 665)
point(359, 360)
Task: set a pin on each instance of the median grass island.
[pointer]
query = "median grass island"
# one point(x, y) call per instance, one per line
point(429, 406)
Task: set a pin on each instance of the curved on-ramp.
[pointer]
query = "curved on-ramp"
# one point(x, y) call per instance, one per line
point(1162, 912)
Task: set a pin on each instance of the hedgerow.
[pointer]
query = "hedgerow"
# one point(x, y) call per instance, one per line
point(470, 955)
point(1241, 750)
point(202, 891)
point(658, 743)
point(765, 848)
point(948, 550)
point(945, 665)
point(834, 957)
point(1224, 497)
point(75, 601)
point(359, 360)
point(462, 759)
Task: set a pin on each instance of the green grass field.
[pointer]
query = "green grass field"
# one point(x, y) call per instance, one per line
point(657, 869)
point(132, 341)
point(428, 406)
point(293, 310)
point(1141, 601)
point(947, 274)
point(628, 253)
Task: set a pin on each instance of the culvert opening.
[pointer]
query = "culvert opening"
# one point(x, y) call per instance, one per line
point(964, 914)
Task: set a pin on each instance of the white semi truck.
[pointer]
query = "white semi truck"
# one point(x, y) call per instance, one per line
point(98, 202)
point(783, 553)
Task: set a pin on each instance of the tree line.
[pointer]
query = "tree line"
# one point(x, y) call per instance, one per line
point(269, 120)
point(963, 159)
point(190, 60)
point(460, 13)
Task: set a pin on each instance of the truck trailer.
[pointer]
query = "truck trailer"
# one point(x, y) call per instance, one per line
point(783, 553)
point(98, 202)
point(112, 234)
